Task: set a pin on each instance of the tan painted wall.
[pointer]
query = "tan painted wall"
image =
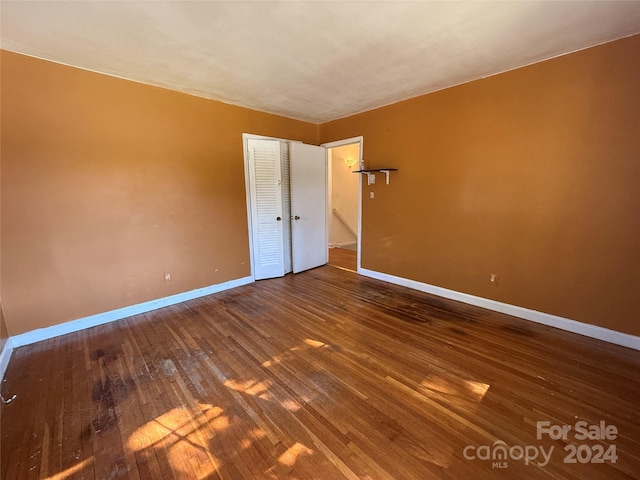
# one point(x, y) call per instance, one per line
point(106, 184)
point(533, 174)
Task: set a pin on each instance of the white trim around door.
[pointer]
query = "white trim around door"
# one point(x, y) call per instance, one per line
point(340, 143)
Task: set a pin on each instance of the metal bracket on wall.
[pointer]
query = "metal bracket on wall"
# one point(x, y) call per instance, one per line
point(371, 177)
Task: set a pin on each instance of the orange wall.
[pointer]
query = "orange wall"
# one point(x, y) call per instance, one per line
point(106, 184)
point(533, 174)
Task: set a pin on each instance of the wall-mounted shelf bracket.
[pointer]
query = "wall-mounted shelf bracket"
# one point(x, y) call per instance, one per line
point(386, 172)
point(371, 174)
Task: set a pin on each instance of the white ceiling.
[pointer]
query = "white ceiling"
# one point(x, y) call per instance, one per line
point(314, 61)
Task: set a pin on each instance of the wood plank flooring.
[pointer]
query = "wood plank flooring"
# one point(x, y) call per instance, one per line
point(320, 375)
point(343, 258)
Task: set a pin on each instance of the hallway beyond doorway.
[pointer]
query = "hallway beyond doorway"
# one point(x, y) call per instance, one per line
point(345, 258)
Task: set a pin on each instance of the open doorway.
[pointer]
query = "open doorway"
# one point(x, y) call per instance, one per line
point(344, 209)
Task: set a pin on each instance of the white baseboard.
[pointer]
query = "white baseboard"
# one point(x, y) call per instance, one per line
point(5, 355)
point(342, 244)
point(106, 317)
point(593, 331)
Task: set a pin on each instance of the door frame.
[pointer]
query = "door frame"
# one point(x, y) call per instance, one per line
point(340, 143)
point(247, 188)
point(327, 146)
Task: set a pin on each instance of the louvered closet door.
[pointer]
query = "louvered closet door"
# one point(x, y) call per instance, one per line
point(266, 212)
point(285, 160)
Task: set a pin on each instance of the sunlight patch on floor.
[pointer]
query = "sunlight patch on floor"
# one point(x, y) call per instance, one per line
point(177, 422)
point(308, 342)
point(252, 387)
point(291, 405)
point(458, 399)
point(71, 471)
point(178, 432)
point(463, 388)
point(290, 457)
point(478, 389)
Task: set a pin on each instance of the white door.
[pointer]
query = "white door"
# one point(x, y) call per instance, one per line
point(265, 176)
point(288, 206)
point(308, 206)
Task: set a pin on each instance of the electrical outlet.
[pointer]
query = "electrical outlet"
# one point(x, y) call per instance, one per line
point(493, 279)
point(167, 277)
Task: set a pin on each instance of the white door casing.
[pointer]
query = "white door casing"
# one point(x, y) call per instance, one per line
point(268, 171)
point(340, 143)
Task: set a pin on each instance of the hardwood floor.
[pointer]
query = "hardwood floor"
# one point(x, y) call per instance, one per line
point(320, 375)
point(343, 258)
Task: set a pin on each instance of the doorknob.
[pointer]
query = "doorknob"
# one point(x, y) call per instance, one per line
point(296, 217)
point(278, 218)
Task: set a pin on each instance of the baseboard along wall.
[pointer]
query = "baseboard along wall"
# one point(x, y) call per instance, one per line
point(5, 355)
point(588, 330)
point(593, 331)
point(41, 334)
point(120, 313)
